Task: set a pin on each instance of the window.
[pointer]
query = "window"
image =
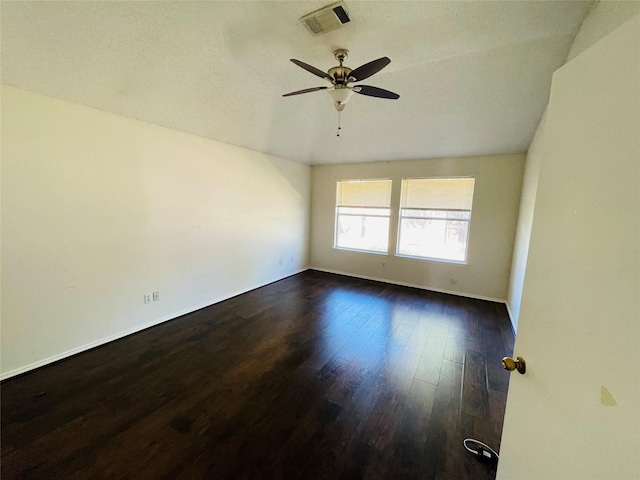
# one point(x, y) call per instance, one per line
point(434, 218)
point(363, 208)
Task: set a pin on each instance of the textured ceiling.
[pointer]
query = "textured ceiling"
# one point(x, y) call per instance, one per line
point(473, 77)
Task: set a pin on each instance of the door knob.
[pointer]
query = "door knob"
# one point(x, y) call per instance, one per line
point(510, 364)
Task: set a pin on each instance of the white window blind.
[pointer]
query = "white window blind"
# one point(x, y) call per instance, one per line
point(438, 193)
point(363, 209)
point(435, 214)
point(364, 193)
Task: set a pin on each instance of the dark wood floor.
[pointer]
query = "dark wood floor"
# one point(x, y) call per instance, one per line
point(314, 376)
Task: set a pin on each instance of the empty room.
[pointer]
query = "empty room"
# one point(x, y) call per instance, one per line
point(320, 240)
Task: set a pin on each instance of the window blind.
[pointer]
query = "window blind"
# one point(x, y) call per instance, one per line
point(437, 193)
point(364, 193)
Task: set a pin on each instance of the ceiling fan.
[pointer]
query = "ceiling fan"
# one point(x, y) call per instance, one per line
point(341, 76)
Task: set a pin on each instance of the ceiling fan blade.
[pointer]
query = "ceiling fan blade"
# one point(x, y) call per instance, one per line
point(306, 90)
point(314, 70)
point(368, 69)
point(375, 92)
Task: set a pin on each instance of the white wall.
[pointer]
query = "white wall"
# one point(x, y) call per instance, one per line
point(493, 224)
point(98, 210)
point(579, 327)
point(604, 17)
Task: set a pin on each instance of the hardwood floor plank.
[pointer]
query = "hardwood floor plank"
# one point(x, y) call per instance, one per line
point(403, 458)
point(315, 376)
point(475, 395)
point(433, 353)
point(442, 453)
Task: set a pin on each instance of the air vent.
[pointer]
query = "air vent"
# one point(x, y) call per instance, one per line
point(326, 19)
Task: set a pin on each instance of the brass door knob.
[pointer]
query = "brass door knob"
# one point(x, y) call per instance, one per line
point(510, 364)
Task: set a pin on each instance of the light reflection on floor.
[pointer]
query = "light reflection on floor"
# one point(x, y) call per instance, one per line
point(367, 334)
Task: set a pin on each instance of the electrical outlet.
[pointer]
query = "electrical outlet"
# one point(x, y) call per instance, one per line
point(147, 298)
point(156, 296)
point(454, 281)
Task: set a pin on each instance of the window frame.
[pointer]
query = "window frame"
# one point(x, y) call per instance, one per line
point(337, 216)
point(402, 217)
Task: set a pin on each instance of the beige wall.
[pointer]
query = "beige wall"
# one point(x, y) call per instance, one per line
point(604, 17)
point(493, 223)
point(525, 220)
point(98, 210)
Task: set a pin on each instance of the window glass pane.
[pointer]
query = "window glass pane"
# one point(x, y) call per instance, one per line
point(364, 211)
point(432, 213)
point(360, 232)
point(459, 215)
point(442, 239)
point(434, 217)
point(362, 215)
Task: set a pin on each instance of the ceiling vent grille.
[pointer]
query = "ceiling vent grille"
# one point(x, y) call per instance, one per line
point(326, 19)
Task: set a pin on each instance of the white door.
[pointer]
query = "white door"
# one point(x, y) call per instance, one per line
point(575, 414)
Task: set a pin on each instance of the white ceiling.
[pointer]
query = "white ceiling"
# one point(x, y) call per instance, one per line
point(473, 77)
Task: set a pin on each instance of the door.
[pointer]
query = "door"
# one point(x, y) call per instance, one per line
point(575, 413)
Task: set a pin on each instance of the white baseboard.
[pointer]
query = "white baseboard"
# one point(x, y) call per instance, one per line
point(513, 328)
point(136, 329)
point(412, 285)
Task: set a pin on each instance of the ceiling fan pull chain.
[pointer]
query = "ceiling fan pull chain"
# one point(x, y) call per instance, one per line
point(339, 127)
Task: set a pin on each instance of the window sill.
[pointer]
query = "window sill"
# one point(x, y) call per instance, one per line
point(369, 252)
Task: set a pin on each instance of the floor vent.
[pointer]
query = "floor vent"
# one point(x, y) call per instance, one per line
point(326, 19)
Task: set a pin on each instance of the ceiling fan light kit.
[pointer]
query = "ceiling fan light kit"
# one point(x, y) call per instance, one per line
point(340, 96)
point(341, 76)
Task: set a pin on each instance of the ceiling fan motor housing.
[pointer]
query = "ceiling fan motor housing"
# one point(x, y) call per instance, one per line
point(340, 74)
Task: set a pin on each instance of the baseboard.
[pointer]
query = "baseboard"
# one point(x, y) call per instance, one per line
point(404, 284)
point(513, 330)
point(136, 329)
